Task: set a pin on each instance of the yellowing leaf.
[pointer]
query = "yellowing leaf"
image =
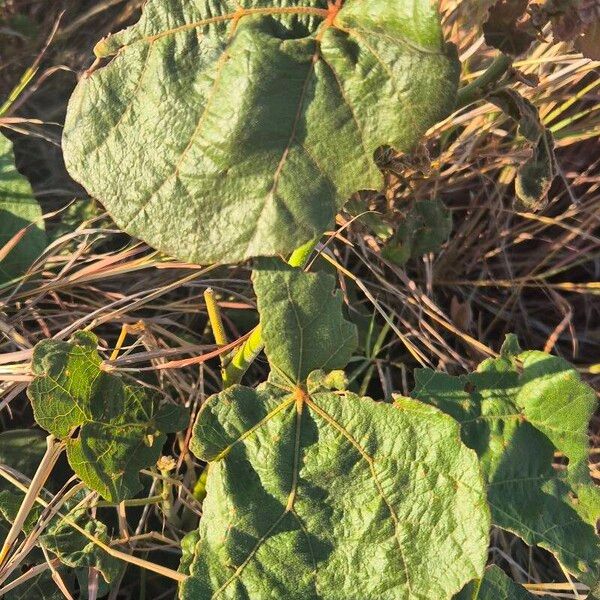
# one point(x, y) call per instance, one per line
point(223, 130)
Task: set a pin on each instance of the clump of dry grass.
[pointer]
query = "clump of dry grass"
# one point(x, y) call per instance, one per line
point(534, 274)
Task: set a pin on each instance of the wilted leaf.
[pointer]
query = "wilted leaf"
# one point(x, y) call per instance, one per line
point(18, 210)
point(589, 42)
point(220, 132)
point(113, 428)
point(427, 225)
point(535, 177)
point(509, 28)
point(515, 421)
point(321, 494)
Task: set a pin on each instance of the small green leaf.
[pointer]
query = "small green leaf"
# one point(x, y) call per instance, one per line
point(329, 496)
point(113, 428)
point(18, 209)
point(515, 421)
point(536, 175)
point(427, 225)
point(77, 551)
point(302, 322)
point(64, 541)
point(222, 131)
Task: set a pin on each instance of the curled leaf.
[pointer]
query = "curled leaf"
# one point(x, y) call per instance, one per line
point(509, 27)
point(535, 176)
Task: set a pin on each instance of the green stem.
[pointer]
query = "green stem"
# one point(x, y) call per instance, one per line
point(476, 90)
point(253, 346)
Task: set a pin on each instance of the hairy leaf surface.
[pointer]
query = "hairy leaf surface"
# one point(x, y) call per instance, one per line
point(316, 493)
point(302, 322)
point(515, 421)
point(223, 130)
point(328, 495)
point(113, 428)
point(18, 209)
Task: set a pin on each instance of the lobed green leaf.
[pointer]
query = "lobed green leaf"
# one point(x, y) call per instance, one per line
point(515, 420)
point(113, 428)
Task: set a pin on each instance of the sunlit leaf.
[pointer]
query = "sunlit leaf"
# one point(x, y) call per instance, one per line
point(315, 493)
point(515, 421)
point(224, 130)
point(112, 427)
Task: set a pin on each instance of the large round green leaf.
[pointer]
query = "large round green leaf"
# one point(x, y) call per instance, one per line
point(322, 495)
point(225, 129)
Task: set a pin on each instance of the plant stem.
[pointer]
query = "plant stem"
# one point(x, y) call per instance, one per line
point(252, 347)
point(476, 90)
point(214, 317)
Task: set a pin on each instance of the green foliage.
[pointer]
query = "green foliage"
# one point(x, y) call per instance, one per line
point(426, 226)
point(18, 209)
point(112, 427)
point(219, 133)
point(317, 493)
point(302, 322)
point(515, 411)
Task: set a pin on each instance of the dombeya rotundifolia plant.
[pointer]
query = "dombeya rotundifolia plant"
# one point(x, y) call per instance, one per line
point(515, 411)
point(112, 427)
point(226, 129)
point(314, 492)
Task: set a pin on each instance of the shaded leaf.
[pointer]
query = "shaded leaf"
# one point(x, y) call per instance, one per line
point(509, 28)
point(535, 177)
point(218, 132)
point(427, 225)
point(113, 427)
point(18, 210)
point(302, 322)
point(329, 495)
point(62, 540)
point(515, 421)
point(22, 450)
point(75, 550)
